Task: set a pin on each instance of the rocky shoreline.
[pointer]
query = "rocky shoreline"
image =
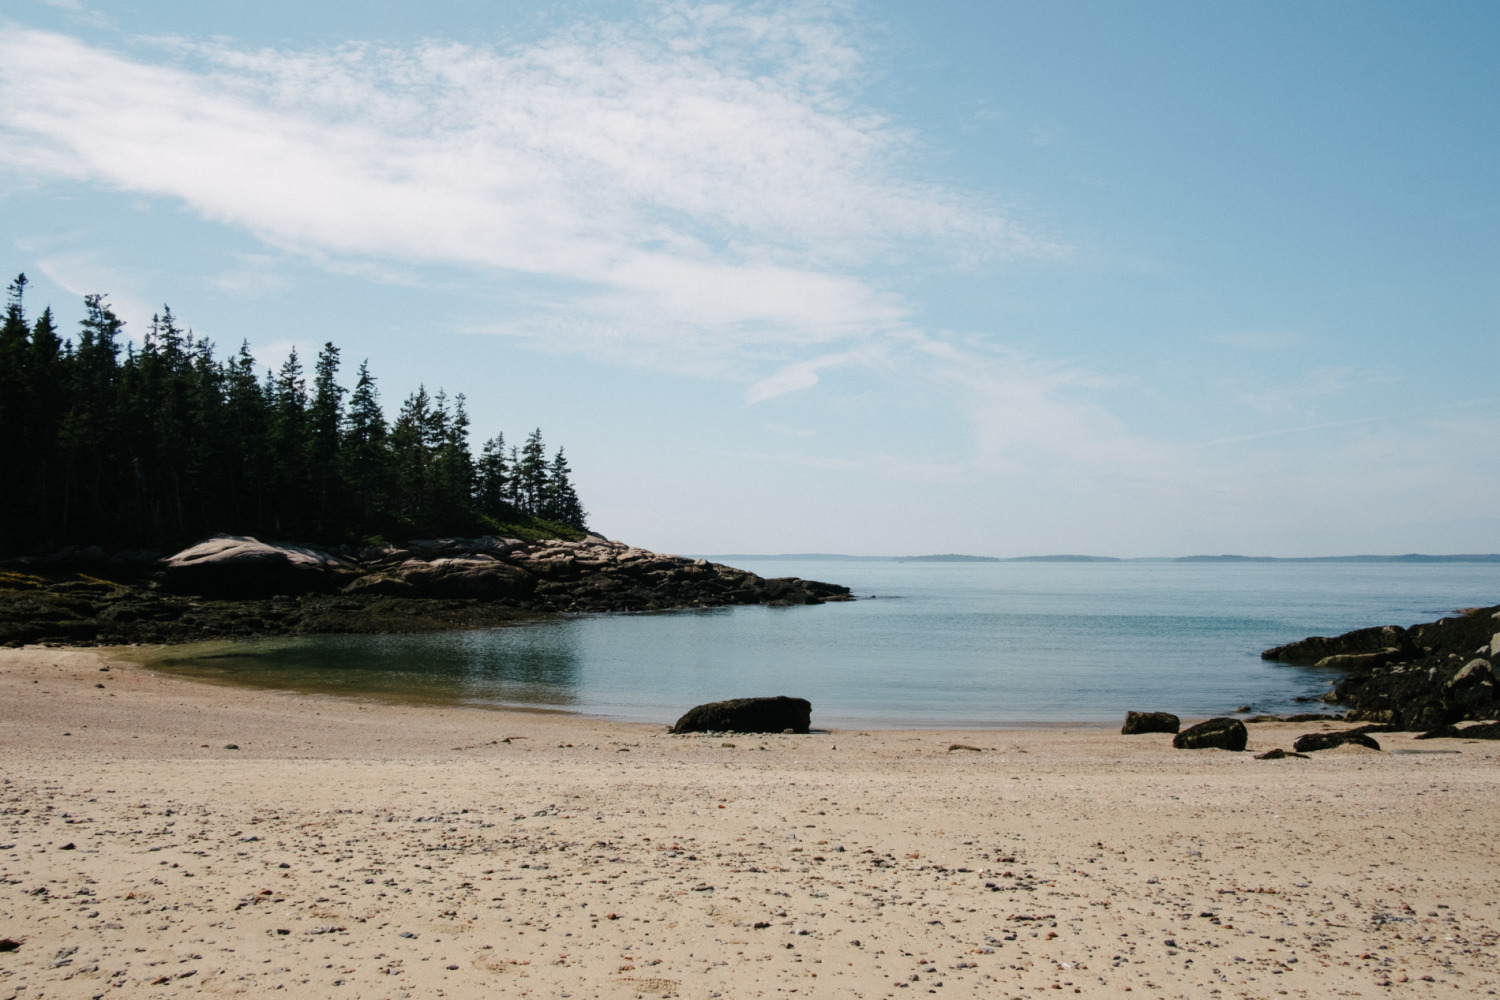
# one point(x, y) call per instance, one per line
point(235, 587)
point(1424, 677)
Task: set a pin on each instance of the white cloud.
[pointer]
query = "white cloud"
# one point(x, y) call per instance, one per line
point(704, 183)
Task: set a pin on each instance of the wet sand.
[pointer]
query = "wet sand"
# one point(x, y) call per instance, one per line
point(354, 848)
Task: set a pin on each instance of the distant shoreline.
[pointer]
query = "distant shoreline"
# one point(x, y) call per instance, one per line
point(1413, 557)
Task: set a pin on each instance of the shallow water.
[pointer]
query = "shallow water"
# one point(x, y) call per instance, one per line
point(932, 644)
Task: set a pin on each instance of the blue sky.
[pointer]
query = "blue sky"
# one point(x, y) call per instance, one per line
point(999, 278)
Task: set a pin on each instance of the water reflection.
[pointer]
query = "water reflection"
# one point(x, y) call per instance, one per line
point(969, 645)
point(537, 666)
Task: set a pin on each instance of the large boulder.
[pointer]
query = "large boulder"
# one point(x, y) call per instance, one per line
point(1150, 722)
point(748, 715)
point(233, 566)
point(1313, 742)
point(1214, 734)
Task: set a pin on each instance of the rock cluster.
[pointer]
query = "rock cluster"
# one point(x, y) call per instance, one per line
point(1418, 678)
point(236, 586)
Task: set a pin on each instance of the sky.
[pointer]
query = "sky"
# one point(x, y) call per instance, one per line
point(999, 278)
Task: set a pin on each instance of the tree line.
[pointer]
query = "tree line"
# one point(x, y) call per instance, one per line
point(105, 442)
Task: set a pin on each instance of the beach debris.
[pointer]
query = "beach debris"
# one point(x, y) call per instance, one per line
point(1313, 742)
point(1222, 733)
point(748, 715)
point(1280, 754)
point(962, 746)
point(1150, 722)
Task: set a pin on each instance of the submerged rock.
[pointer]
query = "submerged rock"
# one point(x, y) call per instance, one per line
point(1214, 734)
point(1150, 722)
point(748, 715)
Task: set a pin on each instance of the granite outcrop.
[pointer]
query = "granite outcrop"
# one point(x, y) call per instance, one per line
point(237, 586)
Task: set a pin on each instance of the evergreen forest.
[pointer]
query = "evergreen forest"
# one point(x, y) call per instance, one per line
point(158, 444)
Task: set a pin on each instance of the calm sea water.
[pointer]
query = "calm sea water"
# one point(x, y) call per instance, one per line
point(934, 644)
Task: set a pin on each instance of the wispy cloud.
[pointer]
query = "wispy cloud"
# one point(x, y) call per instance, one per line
point(702, 183)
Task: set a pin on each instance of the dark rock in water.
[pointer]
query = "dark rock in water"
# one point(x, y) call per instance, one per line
point(1483, 731)
point(1309, 651)
point(1150, 722)
point(1215, 734)
point(748, 715)
point(1279, 754)
point(1313, 742)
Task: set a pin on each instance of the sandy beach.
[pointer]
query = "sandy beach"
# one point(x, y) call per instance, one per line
point(353, 848)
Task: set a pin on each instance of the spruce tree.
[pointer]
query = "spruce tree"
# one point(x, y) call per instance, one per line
point(562, 504)
point(411, 459)
point(324, 417)
point(492, 481)
point(364, 456)
point(530, 474)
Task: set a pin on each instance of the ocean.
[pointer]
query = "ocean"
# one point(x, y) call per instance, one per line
point(928, 644)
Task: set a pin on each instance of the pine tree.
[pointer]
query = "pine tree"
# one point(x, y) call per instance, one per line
point(492, 481)
point(364, 456)
point(562, 504)
point(529, 474)
point(290, 444)
point(411, 459)
point(14, 351)
point(248, 421)
point(96, 465)
point(453, 467)
point(324, 418)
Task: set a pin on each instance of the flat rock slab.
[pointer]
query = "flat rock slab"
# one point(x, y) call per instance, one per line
point(748, 715)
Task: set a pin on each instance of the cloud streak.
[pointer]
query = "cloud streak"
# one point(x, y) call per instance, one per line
point(697, 191)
